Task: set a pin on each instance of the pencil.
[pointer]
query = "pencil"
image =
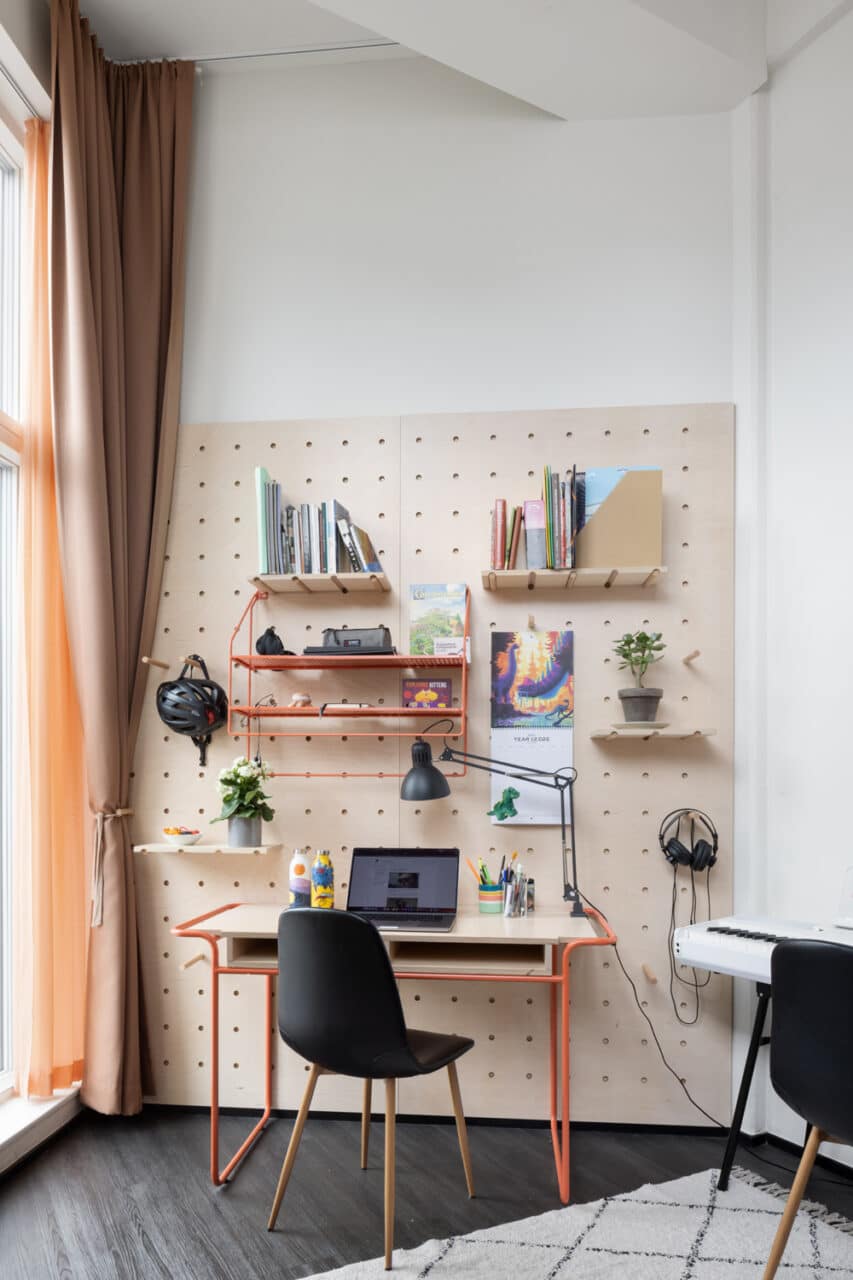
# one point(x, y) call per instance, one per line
point(474, 870)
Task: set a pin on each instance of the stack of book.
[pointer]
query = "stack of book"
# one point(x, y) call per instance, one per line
point(309, 538)
point(550, 524)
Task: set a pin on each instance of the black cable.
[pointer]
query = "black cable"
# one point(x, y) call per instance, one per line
point(815, 1177)
point(694, 982)
point(658, 1044)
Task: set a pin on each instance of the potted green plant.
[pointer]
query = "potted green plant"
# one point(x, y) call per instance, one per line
point(638, 651)
point(244, 802)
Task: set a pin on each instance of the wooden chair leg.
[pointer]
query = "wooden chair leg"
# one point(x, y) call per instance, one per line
point(390, 1125)
point(293, 1145)
point(804, 1169)
point(365, 1120)
point(461, 1127)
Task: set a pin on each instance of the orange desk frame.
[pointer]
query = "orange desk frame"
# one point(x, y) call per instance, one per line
point(557, 980)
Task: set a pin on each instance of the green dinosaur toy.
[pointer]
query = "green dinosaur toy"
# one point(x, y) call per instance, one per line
point(504, 808)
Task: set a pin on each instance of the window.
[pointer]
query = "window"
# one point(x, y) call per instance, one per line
point(9, 438)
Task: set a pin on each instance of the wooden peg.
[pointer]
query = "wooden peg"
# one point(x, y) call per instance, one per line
point(191, 662)
point(648, 974)
point(188, 964)
point(691, 657)
point(154, 662)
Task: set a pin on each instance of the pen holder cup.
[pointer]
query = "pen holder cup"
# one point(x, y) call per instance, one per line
point(491, 899)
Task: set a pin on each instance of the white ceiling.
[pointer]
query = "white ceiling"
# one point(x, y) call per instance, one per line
point(128, 29)
point(576, 59)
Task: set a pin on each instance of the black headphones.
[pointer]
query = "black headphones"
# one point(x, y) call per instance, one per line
point(699, 855)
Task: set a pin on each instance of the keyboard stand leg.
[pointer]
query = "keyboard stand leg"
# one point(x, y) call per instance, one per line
point(755, 1043)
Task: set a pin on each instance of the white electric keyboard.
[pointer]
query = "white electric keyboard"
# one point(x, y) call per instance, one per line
point(742, 945)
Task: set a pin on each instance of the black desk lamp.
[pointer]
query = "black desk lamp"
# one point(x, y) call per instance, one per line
point(425, 782)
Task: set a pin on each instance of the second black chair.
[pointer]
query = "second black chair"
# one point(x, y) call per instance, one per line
point(339, 1007)
point(811, 1048)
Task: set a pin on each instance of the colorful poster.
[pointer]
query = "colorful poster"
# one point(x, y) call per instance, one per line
point(533, 702)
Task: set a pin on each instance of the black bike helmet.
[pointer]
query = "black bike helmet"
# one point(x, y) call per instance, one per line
point(193, 706)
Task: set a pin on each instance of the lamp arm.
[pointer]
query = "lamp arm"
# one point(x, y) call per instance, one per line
point(559, 781)
point(541, 777)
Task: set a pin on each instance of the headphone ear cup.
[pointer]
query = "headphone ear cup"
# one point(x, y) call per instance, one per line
point(677, 853)
point(703, 855)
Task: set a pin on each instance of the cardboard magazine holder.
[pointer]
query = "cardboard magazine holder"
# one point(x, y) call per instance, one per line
point(627, 529)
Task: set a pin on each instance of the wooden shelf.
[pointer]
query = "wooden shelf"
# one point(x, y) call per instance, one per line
point(206, 848)
point(320, 583)
point(342, 711)
point(625, 731)
point(343, 661)
point(569, 579)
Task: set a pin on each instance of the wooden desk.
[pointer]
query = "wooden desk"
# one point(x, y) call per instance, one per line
point(479, 948)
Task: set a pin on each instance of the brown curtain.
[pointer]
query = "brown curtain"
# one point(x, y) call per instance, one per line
point(118, 193)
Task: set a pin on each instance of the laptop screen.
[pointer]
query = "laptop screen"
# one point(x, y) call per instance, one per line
point(403, 881)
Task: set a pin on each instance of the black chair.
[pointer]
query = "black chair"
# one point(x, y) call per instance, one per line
point(811, 1051)
point(339, 1007)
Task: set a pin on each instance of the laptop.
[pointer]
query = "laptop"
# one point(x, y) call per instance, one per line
point(405, 888)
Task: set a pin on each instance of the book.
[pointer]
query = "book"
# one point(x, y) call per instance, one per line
point(365, 550)
point(433, 694)
point(437, 618)
point(500, 533)
point(261, 481)
point(534, 533)
point(516, 537)
point(336, 556)
point(345, 530)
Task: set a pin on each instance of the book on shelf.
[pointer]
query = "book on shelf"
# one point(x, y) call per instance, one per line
point(437, 618)
point(436, 695)
point(308, 538)
point(582, 519)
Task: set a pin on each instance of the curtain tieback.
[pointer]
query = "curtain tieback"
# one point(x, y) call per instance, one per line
point(101, 816)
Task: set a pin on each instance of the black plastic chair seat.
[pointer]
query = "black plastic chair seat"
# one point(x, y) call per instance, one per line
point(425, 1051)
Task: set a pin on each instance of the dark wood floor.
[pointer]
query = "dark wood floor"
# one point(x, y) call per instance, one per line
point(115, 1199)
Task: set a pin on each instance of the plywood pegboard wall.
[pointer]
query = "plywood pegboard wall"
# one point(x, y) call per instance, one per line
point(423, 487)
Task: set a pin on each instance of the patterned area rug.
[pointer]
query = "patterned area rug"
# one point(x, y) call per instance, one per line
point(682, 1230)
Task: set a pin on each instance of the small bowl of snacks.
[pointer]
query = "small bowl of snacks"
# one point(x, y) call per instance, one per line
point(181, 837)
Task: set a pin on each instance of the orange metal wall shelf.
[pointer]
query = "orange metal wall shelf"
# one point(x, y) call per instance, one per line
point(252, 713)
point(342, 662)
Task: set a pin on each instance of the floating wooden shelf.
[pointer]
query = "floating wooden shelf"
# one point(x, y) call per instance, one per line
point(343, 661)
point(569, 579)
point(623, 732)
point(319, 583)
point(341, 710)
point(206, 848)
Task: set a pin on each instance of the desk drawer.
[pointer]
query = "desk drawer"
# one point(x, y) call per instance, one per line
point(522, 958)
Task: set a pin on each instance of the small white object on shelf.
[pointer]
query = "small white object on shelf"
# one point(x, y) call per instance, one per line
point(181, 838)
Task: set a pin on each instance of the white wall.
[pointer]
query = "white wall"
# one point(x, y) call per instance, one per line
point(809, 464)
point(392, 237)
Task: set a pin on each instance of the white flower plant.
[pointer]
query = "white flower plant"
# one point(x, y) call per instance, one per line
point(241, 788)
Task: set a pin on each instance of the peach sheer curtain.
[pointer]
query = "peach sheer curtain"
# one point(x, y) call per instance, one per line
point(50, 872)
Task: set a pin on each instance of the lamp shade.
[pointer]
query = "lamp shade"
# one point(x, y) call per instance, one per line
point(423, 781)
